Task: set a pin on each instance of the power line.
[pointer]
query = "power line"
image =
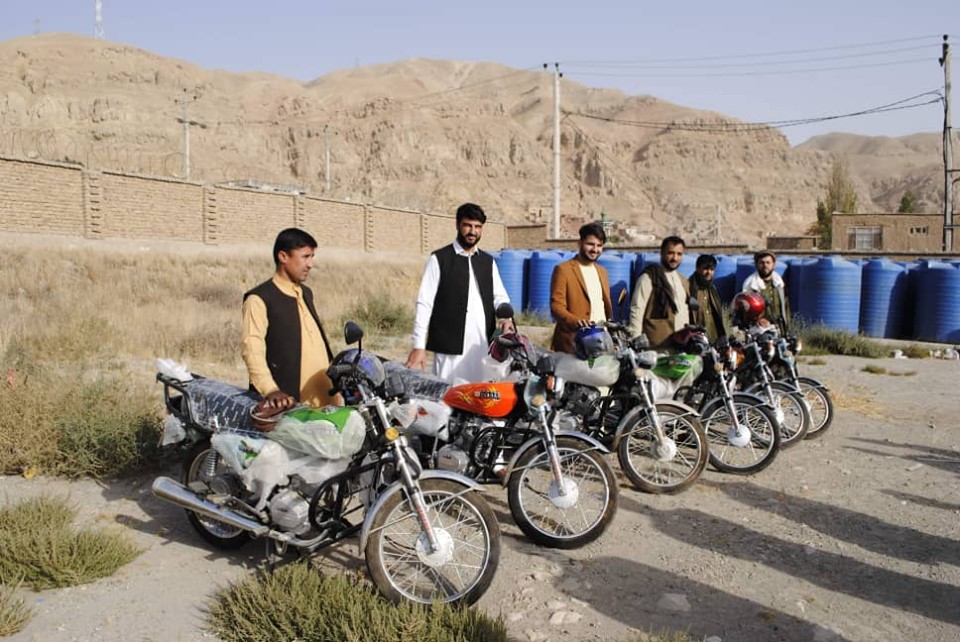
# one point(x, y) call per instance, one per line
point(728, 127)
point(763, 55)
point(778, 72)
point(767, 63)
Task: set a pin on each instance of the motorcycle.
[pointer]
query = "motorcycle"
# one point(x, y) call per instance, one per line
point(754, 375)
point(660, 444)
point(426, 535)
point(783, 365)
point(561, 491)
point(742, 429)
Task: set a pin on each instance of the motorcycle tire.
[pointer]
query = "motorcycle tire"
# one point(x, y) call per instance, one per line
point(820, 404)
point(401, 568)
point(637, 451)
point(215, 533)
point(794, 408)
point(540, 517)
point(764, 442)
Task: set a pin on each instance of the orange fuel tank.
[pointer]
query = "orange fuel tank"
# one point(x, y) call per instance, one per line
point(487, 399)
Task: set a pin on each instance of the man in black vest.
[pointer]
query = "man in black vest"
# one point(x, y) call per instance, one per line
point(459, 294)
point(284, 345)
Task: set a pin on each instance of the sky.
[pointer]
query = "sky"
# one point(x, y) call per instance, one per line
point(756, 61)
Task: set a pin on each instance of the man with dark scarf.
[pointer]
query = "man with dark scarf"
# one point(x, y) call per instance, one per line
point(709, 314)
point(659, 306)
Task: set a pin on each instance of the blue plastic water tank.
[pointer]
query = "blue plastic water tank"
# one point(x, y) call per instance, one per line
point(883, 299)
point(938, 302)
point(619, 268)
point(513, 266)
point(688, 264)
point(725, 277)
point(541, 270)
point(831, 293)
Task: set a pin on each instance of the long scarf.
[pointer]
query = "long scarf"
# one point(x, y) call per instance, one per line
point(662, 291)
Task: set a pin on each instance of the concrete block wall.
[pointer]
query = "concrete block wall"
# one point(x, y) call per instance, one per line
point(335, 223)
point(245, 215)
point(393, 230)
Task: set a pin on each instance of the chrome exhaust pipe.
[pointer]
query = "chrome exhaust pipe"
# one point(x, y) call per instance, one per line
point(176, 493)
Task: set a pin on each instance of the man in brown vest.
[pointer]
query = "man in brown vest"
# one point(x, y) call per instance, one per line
point(580, 289)
point(659, 306)
point(284, 345)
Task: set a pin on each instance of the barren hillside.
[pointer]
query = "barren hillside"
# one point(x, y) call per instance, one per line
point(429, 134)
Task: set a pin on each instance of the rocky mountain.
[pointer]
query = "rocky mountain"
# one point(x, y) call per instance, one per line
point(429, 134)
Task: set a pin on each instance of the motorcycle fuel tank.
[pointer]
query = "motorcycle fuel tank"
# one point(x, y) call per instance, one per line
point(486, 399)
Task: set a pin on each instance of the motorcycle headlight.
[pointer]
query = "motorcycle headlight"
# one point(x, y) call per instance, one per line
point(555, 385)
point(771, 350)
point(799, 347)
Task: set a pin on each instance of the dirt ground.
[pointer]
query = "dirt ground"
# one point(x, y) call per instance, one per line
point(853, 536)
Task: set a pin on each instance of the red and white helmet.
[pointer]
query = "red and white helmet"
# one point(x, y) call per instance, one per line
point(748, 308)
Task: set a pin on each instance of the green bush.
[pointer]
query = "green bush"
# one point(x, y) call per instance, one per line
point(298, 603)
point(40, 548)
point(531, 317)
point(379, 315)
point(818, 339)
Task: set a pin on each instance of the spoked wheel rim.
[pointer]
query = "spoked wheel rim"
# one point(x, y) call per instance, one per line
point(555, 518)
point(194, 480)
point(760, 446)
point(645, 459)
point(448, 574)
point(793, 417)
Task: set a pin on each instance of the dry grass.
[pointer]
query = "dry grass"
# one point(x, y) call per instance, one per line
point(83, 321)
point(14, 613)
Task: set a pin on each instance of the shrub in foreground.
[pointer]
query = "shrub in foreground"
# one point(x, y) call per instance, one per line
point(820, 339)
point(298, 603)
point(14, 614)
point(40, 548)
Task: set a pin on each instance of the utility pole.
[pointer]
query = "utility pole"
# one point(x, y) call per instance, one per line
point(185, 119)
point(326, 160)
point(947, 151)
point(556, 148)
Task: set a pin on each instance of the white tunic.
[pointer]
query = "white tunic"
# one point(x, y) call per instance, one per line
point(468, 366)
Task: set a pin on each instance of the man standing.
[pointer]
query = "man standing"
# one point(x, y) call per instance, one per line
point(769, 284)
point(283, 344)
point(459, 294)
point(580, 289)
point(709, 312)
point(659, 306)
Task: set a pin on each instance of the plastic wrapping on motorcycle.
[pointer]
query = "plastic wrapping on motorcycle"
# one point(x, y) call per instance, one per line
point(230, 406)
point(332, 432)
point(417, 383)
point(426, 417)
point(602, 371)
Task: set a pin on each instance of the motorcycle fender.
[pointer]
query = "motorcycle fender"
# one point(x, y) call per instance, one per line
point(397, 487)
point(589, 442)
point(744, 396)
point(682, 408)
point(814, 383)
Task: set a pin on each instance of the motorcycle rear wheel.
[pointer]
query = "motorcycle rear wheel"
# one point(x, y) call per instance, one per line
point(216, 533)
point(637, 451)
point(764, 441)
point(821, 406)
point(395, 555)
point(592, 478)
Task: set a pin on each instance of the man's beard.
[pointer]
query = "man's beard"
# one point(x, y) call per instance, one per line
point(465, 244)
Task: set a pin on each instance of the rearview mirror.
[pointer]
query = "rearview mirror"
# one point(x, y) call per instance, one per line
point(504, 311)
point(352, 332)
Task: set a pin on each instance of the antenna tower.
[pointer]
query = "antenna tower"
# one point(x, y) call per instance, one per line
point(98, 25)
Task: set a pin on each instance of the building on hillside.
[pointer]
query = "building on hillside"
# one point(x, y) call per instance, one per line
point(805, 242)
point(892, 232)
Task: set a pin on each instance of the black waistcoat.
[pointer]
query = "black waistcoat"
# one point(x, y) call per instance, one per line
point(446, 329)
point(283, 334)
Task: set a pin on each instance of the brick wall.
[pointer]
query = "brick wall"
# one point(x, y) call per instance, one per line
point(41, 197)
point(60, 198)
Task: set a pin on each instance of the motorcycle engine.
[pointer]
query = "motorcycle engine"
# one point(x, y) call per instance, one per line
point(289, 511)
point(453, 458)
point(581, 400)
point(470, 435)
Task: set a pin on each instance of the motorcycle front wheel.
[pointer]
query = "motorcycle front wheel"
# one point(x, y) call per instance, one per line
point(569, 517)
point(196, 476)
point(762, 447)
point(791, 410)
point(646, 468)
point(399, 557)
point(820, 404)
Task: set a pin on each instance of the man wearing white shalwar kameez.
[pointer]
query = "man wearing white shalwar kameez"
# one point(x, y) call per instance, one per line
point(457, 324)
